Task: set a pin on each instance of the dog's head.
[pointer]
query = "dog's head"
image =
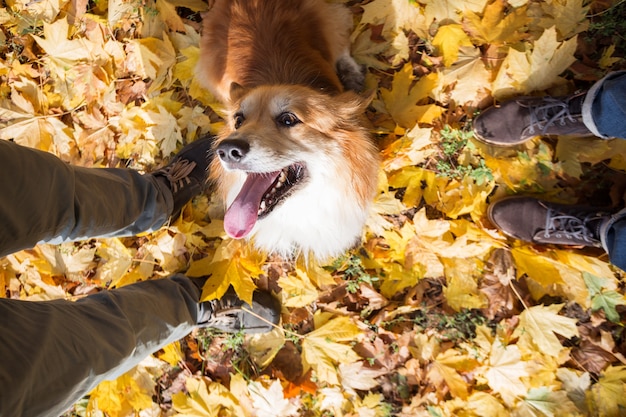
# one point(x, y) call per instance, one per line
point(296, 168)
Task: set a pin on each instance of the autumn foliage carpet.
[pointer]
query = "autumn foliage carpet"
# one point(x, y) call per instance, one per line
point(437, 313)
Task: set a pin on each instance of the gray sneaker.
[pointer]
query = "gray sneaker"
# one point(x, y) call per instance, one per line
point(537, 221)
point(516, 121)
point(231, 314)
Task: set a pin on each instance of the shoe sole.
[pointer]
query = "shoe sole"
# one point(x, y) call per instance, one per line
point(480, 138)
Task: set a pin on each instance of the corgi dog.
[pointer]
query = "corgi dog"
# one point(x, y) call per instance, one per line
point(295, 165)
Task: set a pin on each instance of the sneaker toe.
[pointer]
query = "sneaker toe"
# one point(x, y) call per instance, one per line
point(518, 217)
point(230, 314)
point(504, 125)
point(262, 316)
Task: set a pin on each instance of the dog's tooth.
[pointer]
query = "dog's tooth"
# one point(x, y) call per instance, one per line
point(262, 205)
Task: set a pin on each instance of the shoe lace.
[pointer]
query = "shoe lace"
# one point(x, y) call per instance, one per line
point(552, 111)
point(228, 319)
point(178, 173)
point(571, 225)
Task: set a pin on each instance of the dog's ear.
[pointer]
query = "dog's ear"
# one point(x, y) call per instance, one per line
point(368, 96)
point(356, 103)
point(237, 91)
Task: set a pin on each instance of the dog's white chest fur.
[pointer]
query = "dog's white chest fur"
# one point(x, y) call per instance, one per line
point(308, 224)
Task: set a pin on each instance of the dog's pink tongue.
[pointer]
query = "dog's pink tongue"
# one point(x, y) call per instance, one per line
point(242, 214)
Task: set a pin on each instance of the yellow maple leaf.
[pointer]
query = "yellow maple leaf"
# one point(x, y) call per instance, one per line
point(516, 173)
point(485, 405)
point(185, 72)
point(558, 272)
point(419, 183)
point(401, 101)
point(607, 60)
point(445, 368)
point(419, 257)
point(439, 373)
point(427, 228)
point(234, 263)
point(117, 260)
point(608, 395)
point(40, 133)
point(450, 10)
point(569, 16)
point(413, 148)
point(172, 354)
point(526, 72)
point(498, 24)
point(205, 400)
point(395, 15)
point(544, 401)
point(542, 269)
point(263, 347)
point(399, 49)
point(167, 12)
point(466, 196)
point(397, 239)
point(385, 203)
point(538, 325)
point(465, 83)
point(464, 241)
point(62, 50)
point(396, 278)
point(505, 372)
point(151, 58)
point(119, 397)
point(449, 39)
point(319, 276)
point(271, 401)
point(461, 291)
point(576, 384)
point(355, 376)
point(105, 397)
point(323, 348)
point(297, 289)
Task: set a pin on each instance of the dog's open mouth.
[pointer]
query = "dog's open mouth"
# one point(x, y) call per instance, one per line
point(260, 194)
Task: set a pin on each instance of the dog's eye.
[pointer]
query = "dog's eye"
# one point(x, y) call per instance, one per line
point(238, 119)
point(287, 119)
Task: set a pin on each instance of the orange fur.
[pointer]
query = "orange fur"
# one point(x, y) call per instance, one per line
point(265, 58)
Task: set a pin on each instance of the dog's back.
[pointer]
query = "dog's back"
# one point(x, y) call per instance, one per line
point(260, 42)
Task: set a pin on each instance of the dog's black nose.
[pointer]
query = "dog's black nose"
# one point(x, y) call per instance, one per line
point(233, 150)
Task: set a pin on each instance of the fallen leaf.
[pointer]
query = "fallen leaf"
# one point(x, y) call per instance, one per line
point(402, 100)
point(505, 370)
point(271, 402)
point(323, 349)
point(449, 39)
point(539, 323)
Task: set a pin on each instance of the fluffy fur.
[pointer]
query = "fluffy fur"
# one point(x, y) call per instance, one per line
point(274, 64)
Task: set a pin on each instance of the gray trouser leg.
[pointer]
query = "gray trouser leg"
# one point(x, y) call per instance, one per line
point(54, 352)
point(44, 199)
